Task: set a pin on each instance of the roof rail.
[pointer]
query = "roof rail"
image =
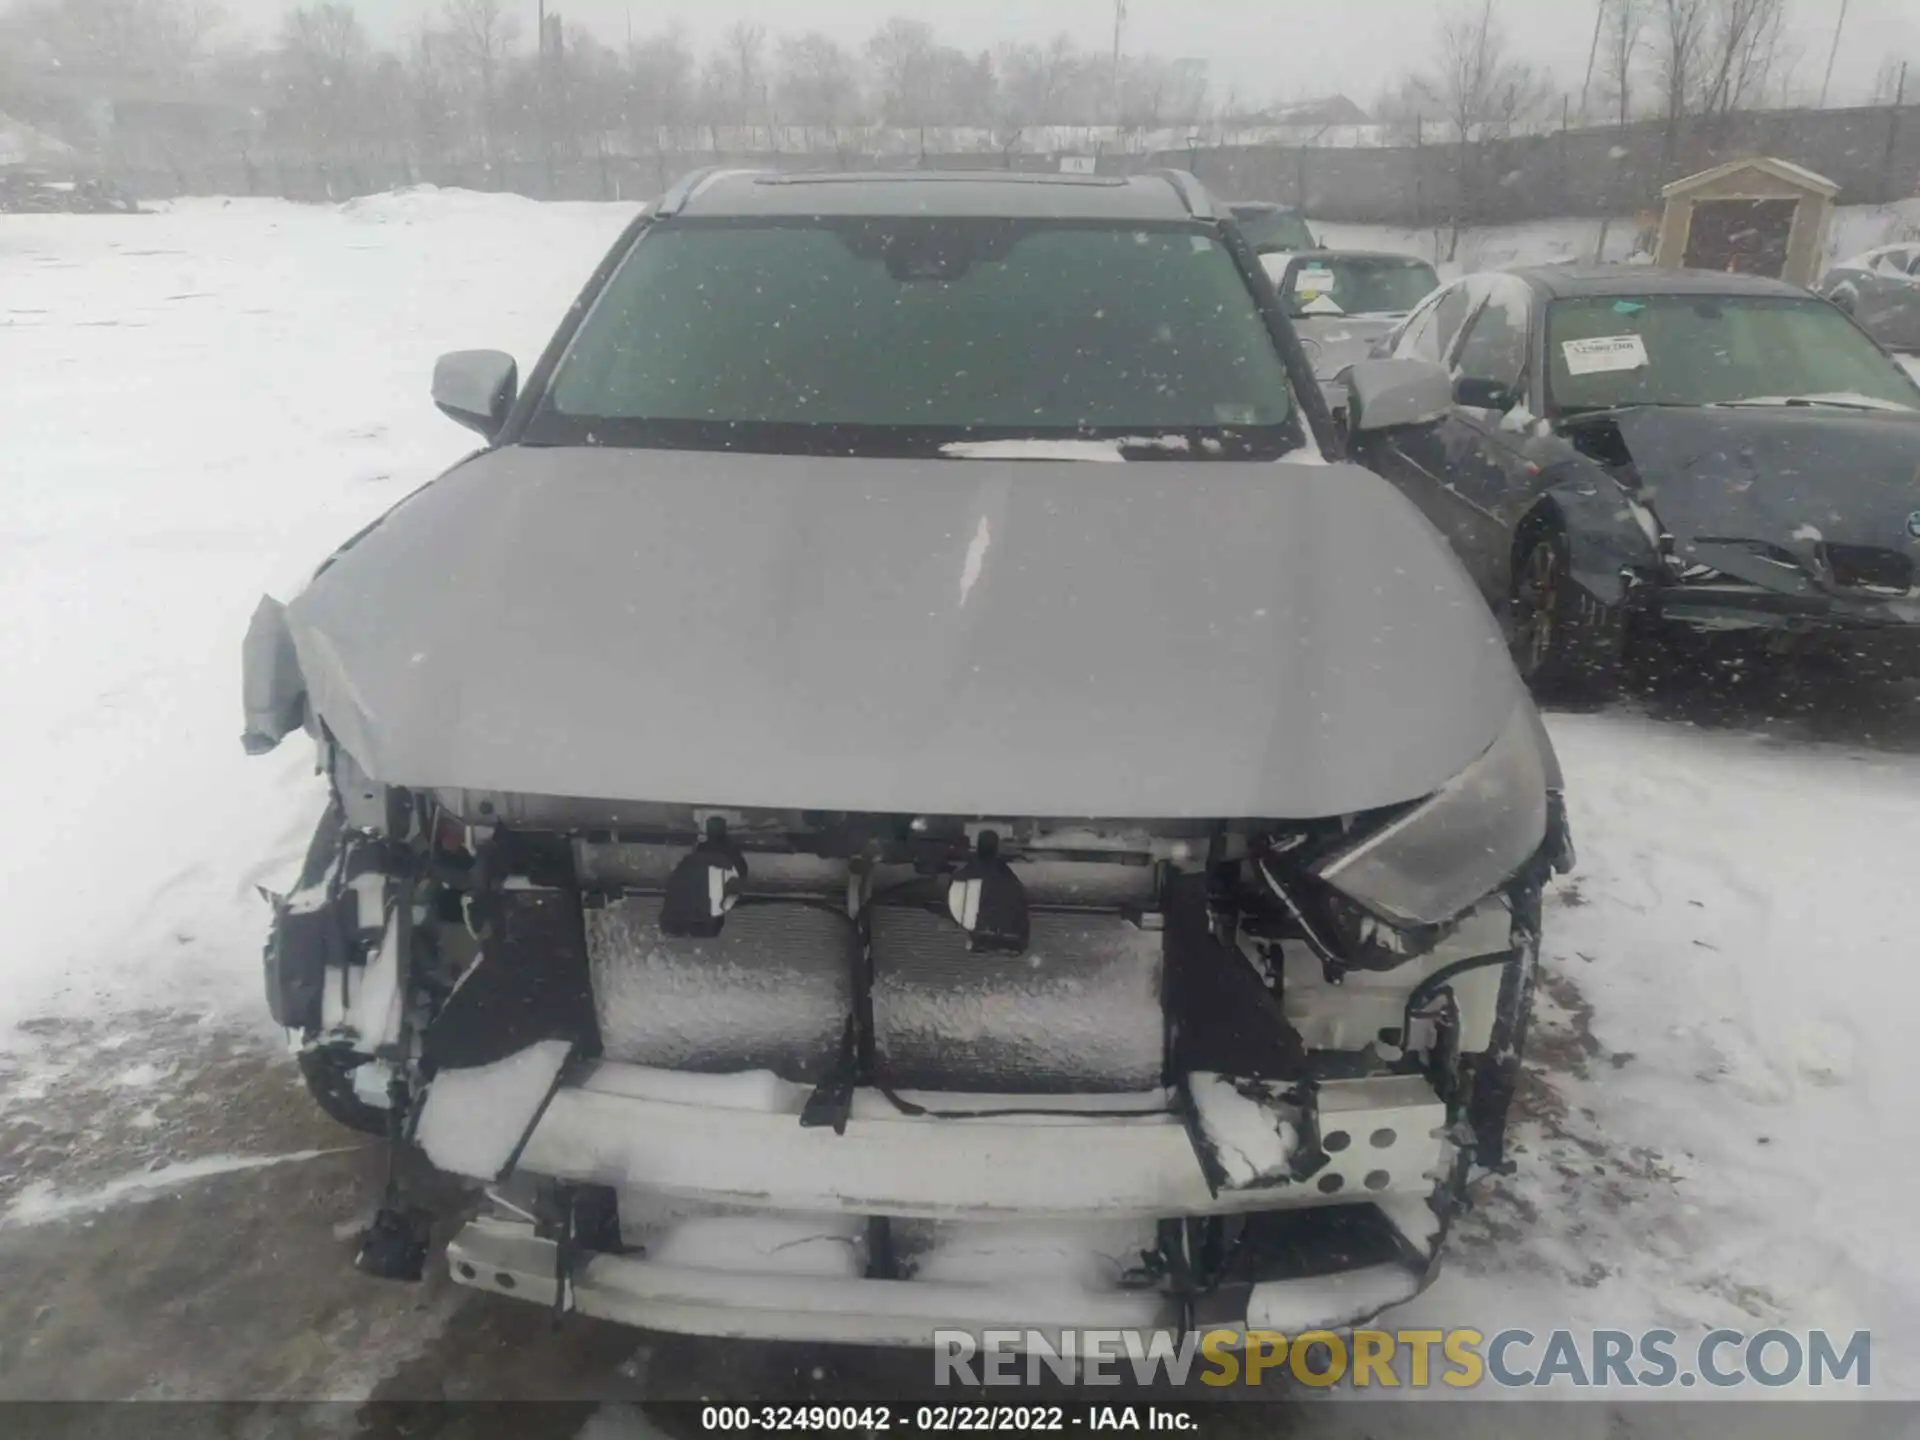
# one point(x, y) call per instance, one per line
point(689, 185)
point(1192, 194)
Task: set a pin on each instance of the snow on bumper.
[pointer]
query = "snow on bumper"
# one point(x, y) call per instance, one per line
point(737, 1140)
point(1014, 1206)
point(508, 1258)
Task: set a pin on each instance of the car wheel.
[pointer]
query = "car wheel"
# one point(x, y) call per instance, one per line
point(328, 1071)
point(1564, 642)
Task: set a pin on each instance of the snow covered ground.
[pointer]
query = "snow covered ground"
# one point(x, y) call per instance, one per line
point(200, 405)
point(202, 402)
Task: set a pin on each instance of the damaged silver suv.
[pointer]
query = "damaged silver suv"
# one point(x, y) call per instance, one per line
point(907, 787)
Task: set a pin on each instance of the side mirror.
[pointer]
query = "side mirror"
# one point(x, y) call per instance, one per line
point(476, 388)
point(1386, 394)
point(1483, 394)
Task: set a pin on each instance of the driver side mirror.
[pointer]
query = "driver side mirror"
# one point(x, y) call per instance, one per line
point(476, 388)
point(1483, 394)
point(1387, 394)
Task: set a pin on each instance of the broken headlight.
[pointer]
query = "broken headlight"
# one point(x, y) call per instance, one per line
point(1450, 851)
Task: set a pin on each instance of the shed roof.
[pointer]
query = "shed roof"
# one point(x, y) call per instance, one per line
point(1785, 171)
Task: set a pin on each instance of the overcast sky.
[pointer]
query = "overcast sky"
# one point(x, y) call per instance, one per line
point(1259, 49)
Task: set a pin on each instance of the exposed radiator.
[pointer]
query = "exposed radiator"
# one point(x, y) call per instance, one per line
point(771, 992)
point(1080, 1011)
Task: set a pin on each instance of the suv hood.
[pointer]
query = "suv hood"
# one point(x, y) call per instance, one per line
point(1159, 639)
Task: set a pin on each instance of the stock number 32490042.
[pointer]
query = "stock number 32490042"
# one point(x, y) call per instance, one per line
point(927, 1419)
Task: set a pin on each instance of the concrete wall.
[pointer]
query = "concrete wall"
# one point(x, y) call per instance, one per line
point(1873, 154)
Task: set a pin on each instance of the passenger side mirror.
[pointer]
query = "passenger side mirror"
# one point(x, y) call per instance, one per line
point(1387, 394)
point(1478, 394)
point(476, 388)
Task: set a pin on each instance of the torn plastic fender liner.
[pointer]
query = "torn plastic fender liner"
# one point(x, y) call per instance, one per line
point(306, 935)
point(334, 919)
point(273, 690)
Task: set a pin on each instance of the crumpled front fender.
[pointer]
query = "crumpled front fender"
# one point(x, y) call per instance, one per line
point(1611, 536)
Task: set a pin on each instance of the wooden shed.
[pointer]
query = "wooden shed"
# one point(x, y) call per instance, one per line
point(1759, 216)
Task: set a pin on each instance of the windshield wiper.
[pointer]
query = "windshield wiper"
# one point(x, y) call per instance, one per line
point(1610, 408)
point(1836, 401)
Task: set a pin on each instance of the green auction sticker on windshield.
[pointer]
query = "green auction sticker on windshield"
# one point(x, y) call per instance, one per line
point(1604, 353)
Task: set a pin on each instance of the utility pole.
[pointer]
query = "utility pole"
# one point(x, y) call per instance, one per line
point(1839, 24)
point(1593, 53)
point(1119, 21)
point(543, 99)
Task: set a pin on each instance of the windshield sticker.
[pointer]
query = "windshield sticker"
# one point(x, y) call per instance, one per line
point(1312, 278)
point(1628, 307)
point(1605, 353)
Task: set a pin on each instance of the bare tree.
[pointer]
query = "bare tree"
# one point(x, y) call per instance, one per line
point(660, 92)
point(1155, 92)
point(1044, 84)
point(324, 62)
point(1740, 46)
point(123, 37)
point(1482, 93)
point(1622, 42)
point(1896, 82)
point(432, 94)
point(961, 87)
point(743, 60)
point(818, 84)
point(1680, 39)
point(901, 52)
point(484, 33)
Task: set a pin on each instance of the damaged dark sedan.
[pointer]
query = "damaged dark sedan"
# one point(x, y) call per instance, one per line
point(1617, 449)
point(874, 804)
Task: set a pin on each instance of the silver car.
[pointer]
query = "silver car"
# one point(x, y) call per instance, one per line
point(907, 787)
point(1881, 290)
point(1343, 303)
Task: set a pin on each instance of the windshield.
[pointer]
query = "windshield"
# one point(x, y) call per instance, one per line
point(888, 333)
point(1604, 351)
point(1267, 230)
point(1358, 285)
